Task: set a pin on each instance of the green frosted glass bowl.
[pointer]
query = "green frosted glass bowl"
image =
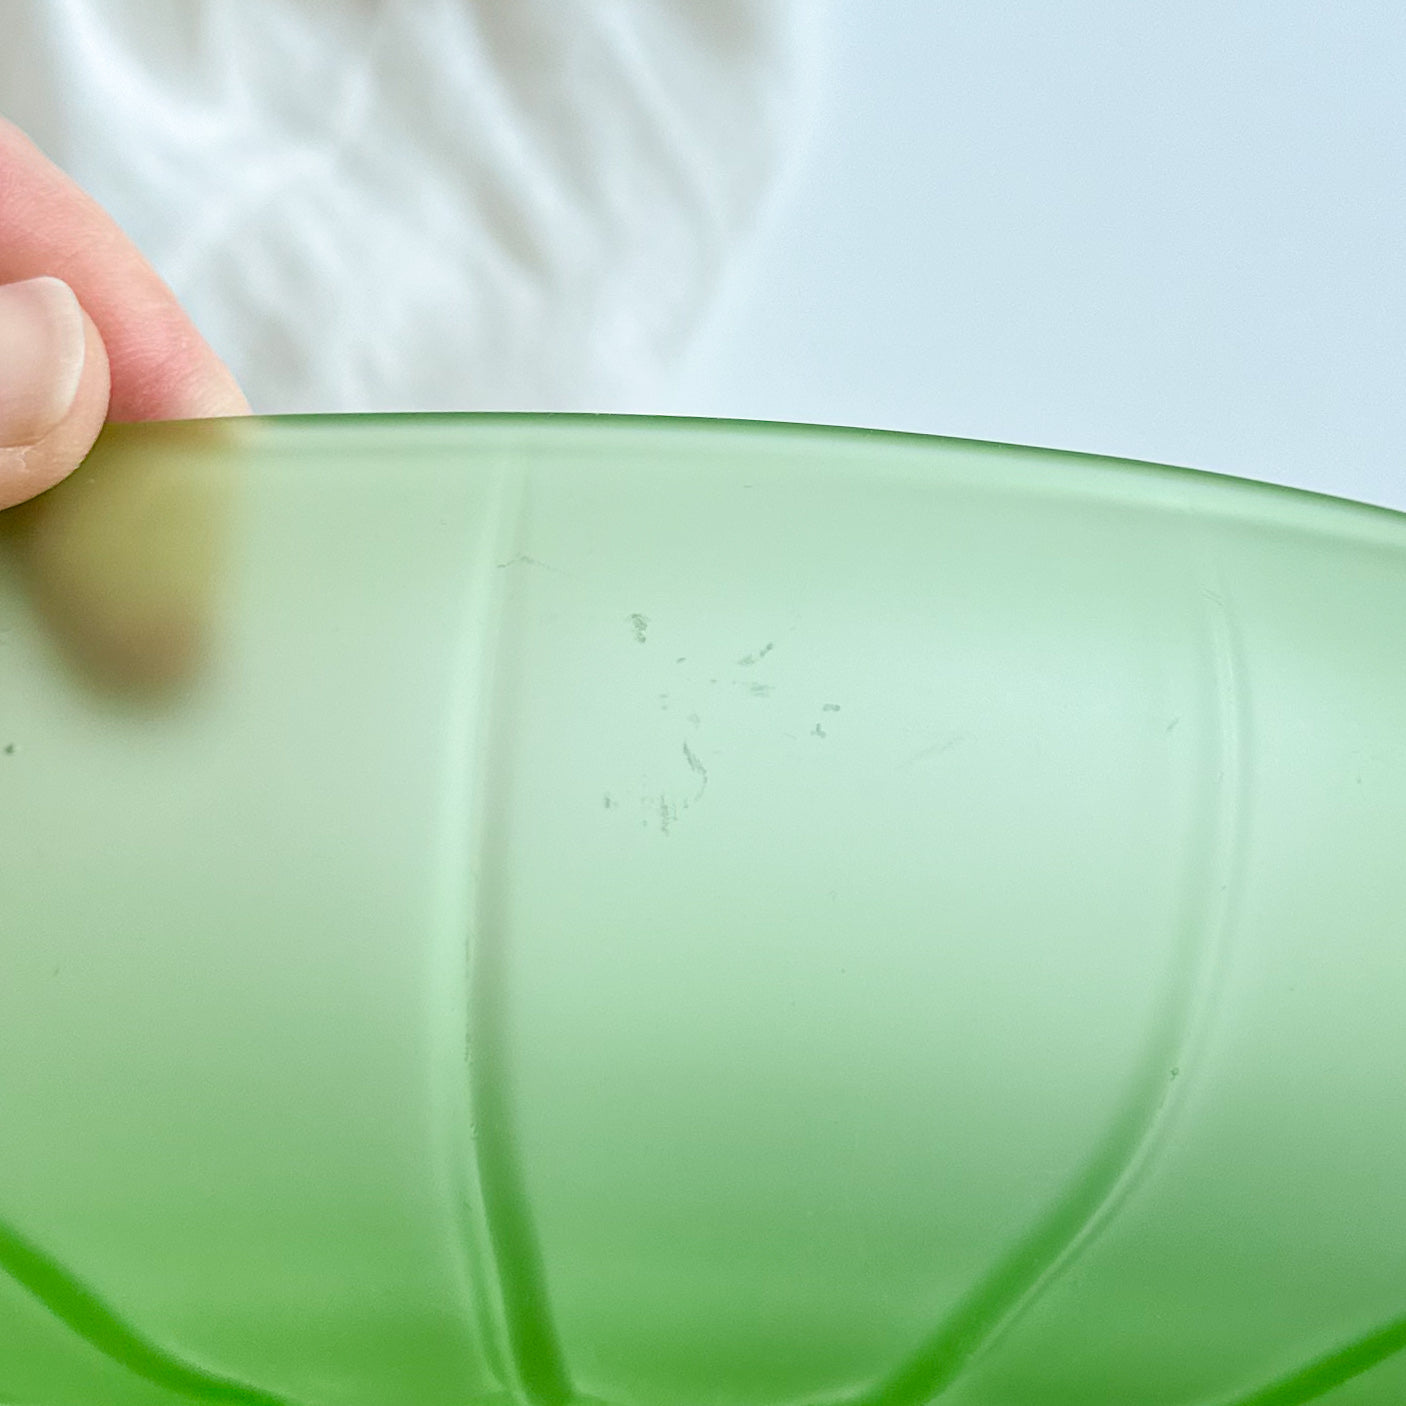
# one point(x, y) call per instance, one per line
point(663, 913)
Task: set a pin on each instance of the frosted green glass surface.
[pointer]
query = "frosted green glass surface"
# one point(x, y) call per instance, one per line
point(545, 910)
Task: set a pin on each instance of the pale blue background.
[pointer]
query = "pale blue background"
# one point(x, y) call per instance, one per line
point(1169, 232)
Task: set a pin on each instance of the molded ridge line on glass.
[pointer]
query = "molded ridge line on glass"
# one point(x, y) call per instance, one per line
point(1139, 1127)
point(537, 1366)
point(1320, 1376)
point(80, 1309)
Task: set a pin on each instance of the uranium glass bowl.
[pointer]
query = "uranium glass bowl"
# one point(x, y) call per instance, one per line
point(544, 910)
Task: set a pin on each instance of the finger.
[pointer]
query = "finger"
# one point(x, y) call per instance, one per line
point(120, 558)
point(53, 386)
point(122, 566)
point(161, 367)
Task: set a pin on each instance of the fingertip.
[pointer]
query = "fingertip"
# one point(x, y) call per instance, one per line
point(161, 368)
point(179, 376)
point(55, 384)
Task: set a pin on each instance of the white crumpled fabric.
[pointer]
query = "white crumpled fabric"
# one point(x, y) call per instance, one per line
point(426, 204)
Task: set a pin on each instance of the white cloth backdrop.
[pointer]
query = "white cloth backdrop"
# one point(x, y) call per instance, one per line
point(426, 204)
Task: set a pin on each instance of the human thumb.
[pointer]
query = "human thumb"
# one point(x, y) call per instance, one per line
point(120, 562)
point(54, 386)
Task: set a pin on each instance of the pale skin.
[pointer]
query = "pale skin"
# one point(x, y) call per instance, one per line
point(89, 334)
point(141, 357)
